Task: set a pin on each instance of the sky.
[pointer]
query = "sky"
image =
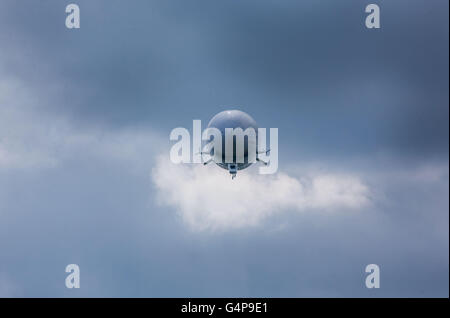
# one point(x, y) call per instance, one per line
point(85, 174)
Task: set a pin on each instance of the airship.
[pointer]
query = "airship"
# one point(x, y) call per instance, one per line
point(235, 119)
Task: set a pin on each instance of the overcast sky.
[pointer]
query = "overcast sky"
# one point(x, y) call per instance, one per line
point(85, 175)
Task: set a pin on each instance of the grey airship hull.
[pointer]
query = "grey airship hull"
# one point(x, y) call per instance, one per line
point(233, 119)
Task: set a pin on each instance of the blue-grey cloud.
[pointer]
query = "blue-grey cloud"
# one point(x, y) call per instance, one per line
point(84, 113)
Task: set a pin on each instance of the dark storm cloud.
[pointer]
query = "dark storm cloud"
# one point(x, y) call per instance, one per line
point(311, 67)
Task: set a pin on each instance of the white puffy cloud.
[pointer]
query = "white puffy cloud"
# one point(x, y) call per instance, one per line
point(208, 199)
